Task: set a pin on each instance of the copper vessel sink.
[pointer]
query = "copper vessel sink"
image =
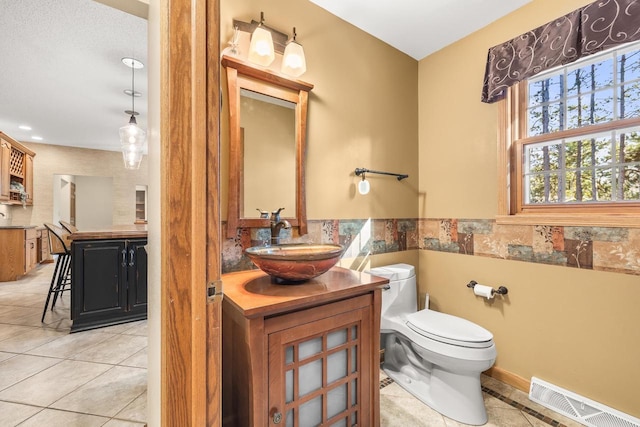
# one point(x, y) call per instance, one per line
point(295, 262)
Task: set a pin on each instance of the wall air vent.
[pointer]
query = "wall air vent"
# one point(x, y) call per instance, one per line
point(581, 409)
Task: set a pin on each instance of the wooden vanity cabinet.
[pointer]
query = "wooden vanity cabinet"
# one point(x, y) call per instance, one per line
point(306, 352)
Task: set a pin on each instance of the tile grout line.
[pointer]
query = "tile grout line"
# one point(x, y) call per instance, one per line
point(388, 381)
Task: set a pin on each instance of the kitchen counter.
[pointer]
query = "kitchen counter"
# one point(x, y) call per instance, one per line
point(113, 232)
point(109, 276)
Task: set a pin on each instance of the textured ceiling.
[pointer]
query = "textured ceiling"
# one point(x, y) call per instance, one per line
point(61, 59)
point(62, 72)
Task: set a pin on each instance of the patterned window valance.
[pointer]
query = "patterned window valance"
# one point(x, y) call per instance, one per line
point(590, 29)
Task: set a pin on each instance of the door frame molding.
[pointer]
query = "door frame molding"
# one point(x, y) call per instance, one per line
point(189, 207)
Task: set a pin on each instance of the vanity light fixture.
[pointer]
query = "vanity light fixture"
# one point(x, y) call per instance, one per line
point(132, 137)
point(261, 50)
point(293, 61)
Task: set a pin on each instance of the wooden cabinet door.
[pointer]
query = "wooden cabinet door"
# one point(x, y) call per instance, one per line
point(137, 276)
point(28, 178)
point(5, 158)
point(319, 372)
point(30, 254)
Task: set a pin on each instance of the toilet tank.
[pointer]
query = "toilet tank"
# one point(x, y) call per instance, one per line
point(401, 297)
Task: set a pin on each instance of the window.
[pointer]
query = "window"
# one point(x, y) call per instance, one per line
point(572, 136)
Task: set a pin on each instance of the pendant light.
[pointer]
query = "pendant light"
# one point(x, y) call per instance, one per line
point(261, 50)
point(293, 61)
point(132, 137)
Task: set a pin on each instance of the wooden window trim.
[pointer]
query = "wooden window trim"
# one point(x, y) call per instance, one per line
point(511, 124)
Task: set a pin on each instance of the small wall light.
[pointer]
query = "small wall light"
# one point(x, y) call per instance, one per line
point(293, 62)
point(261, 49)
point(363, 186)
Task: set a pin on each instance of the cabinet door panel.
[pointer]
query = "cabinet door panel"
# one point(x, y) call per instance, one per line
point(313, 384)
point(98, 282)
point(5, 156)
point(137, 276)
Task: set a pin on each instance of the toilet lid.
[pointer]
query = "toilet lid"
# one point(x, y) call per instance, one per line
point(449, 329)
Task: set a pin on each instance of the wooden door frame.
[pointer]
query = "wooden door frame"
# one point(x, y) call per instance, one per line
point(190, 214)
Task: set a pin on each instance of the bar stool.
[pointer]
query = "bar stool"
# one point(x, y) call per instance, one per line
point(61, 280)
point(68, 226)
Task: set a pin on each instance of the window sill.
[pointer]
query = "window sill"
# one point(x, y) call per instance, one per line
point(572, 220)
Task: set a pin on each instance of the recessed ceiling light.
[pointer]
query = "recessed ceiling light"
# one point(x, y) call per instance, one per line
point(132, 63)
point(24, 127)
point(37, 138)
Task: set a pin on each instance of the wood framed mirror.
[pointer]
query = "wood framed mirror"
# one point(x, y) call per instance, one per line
point(267, 138)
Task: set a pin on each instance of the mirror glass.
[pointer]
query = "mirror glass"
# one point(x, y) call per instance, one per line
point(268, 133)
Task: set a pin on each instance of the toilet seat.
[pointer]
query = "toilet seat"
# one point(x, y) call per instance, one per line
point(449, 329)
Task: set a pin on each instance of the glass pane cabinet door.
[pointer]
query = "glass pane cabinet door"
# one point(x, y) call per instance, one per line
point(316, 372)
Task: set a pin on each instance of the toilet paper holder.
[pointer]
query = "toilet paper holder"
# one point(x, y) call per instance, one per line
point(502, 290)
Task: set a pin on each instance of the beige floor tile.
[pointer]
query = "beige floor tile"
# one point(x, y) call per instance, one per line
point(522, 397)
point(4, 356)
point(398, 408)
point(53, 383)
point(70, 345)
point(6, 308)
point(107, 394)
point(121, 328)
point(8, 331)
point(138, 360)
point(55, 418)
point(12, 414)
point(121, 423)
point(24, 300)
point(113, 350)
point(32, 338)
point(139, 328)
point(136, 410)
point(21, 367)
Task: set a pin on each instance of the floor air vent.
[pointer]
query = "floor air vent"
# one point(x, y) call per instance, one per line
point(581, 409)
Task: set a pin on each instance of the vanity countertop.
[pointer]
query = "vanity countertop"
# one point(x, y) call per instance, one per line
point(138, 231)
point(253, 292)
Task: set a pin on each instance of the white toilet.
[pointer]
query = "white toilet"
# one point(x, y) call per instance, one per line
point(436, 357)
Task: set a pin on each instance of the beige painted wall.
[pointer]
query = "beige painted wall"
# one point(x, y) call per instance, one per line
point(574, 328)
point(55, 159)
point(363, 112)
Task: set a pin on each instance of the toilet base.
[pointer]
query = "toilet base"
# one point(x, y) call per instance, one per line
point(456, 396)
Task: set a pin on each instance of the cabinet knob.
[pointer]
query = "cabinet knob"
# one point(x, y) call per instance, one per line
point(276, 416)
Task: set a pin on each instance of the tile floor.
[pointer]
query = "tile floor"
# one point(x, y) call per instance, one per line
point(506, 407)
point(49, 377)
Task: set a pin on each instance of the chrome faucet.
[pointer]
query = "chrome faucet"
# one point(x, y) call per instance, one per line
point(277, 224)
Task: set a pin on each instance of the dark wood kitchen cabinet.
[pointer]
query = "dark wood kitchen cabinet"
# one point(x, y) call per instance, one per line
point(109, 282)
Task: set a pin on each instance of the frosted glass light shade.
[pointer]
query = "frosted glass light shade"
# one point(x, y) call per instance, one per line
point(132, 140)
point(364, 187)
point(261, 49)
point(293, 62)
